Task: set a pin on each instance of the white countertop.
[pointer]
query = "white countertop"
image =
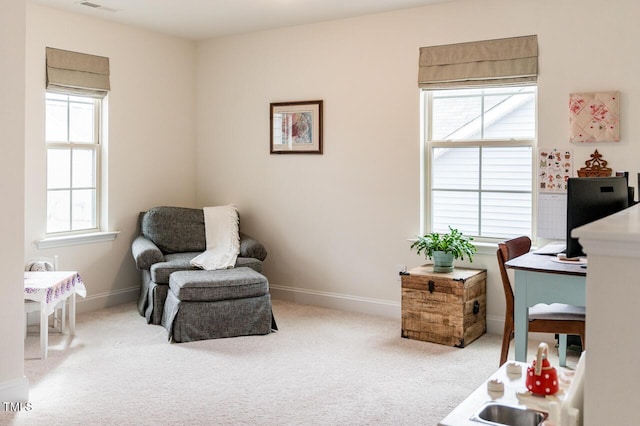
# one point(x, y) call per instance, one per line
point(513, 385)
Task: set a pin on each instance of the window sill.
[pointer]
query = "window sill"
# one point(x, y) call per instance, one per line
point(73, 240)
point(486, 248)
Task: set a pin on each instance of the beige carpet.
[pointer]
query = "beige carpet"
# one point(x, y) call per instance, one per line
point(323, 367)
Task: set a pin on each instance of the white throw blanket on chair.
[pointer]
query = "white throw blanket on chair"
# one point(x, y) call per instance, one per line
point(222, 232)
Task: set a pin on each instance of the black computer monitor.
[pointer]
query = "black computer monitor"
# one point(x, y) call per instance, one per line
point(590, 199)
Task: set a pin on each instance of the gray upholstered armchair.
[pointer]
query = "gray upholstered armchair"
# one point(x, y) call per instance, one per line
point(169, 238)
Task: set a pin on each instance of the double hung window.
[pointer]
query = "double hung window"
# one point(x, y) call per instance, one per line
point(73, 163)
point(478, 160)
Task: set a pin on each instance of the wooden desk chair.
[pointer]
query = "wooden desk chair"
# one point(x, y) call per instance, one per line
point(554, 318)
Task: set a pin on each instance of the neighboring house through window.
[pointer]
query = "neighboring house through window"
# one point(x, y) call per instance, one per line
point(479, 146)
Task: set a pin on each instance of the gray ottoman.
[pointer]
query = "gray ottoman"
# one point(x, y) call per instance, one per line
point(212, 304)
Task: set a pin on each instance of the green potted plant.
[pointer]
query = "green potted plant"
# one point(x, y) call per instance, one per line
point(444, 248)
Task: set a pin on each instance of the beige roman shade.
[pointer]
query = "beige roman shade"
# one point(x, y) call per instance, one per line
point(480, 63)
point(72, 72)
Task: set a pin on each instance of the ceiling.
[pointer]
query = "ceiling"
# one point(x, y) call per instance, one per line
point(202, 19)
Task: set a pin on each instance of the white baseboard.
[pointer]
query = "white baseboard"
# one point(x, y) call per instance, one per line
point(94, 302)
point(495, 324)
point(341, 301)
point(16, 390)
point(346, 302)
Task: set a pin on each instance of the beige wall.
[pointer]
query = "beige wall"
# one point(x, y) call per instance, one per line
point(151, 145)
point(337, 225)
point(13, 385)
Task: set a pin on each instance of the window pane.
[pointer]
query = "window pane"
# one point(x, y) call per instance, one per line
point(83, 168)
point(58, 211)
point(82, 99)
point(57, 96)
point(81, 127)
point(505, 215)
point(56, 121)
point(455, 168)
point(510, 116)
point(456, 117)
point(456, 208)
point(506, 168)
point(83, 209)
point(58, 168)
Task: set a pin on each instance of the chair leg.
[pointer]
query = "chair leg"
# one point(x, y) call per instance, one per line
point(56, 320)
point(59, 316)
point(507, 335)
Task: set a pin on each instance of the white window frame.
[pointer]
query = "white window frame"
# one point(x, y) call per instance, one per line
point(97, 148)
point(426, 223)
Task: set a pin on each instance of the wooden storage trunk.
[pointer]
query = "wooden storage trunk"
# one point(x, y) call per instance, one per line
point(447, 308)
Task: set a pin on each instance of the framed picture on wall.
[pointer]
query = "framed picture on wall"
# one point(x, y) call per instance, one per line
point(296, 127)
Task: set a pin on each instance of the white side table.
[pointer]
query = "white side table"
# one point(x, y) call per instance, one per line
point(49, 288)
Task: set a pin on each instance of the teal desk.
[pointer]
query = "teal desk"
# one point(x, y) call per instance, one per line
point(538, 279)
